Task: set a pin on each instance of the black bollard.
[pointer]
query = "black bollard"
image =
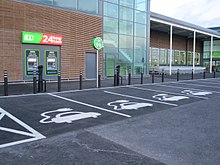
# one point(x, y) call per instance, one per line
point(99, 81)
point(192, 75)
point(153, 76)
point(178, 75)
point(45, 85)
point(163, 75)
point(115, 79)
point(59, 81)
point(129, 78)
point(142, 76)
point(80, 80)
point(121, 80)
point(5, 83)
point(34, 82)
point(40, 78)
point(204, 75)
point(214, 74)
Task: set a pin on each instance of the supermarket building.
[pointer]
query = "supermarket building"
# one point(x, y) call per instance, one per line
point(57, 34)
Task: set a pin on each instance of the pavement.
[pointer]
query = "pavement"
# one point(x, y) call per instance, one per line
point(157, 123)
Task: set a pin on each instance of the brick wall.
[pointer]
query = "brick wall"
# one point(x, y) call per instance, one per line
point(77, 30)
point(162, 40)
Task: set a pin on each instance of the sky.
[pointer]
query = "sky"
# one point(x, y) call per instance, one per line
point(205, 13)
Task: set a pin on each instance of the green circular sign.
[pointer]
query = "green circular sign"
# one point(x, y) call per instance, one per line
point(97, 43)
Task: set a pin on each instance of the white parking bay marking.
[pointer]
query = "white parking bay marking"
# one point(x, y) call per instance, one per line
point(89, 105)
point(32, 134)
point(139, 98)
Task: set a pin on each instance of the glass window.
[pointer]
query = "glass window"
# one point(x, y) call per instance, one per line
point(176, 60)
point(110, 25)
point(112, 1)
point(182, 57)
point(139, 49)
point(140, 17)
point(126, 13)
point(70, 4)
point(110, 10)
point(168, 57)
point(163, 56)
point(128, 3)
point(154, 57)
point(126, 48)
point(206, 54)
point(48, 2)
point(189, 58)
point(197, 59)
point(88, 7)
point(140, 5)
point(110, 42)
point(140, 30)
point(126, 27)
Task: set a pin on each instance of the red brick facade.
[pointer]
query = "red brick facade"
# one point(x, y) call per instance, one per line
point(77, 30)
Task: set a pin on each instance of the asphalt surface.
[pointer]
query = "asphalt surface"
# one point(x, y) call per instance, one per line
point(166, 123)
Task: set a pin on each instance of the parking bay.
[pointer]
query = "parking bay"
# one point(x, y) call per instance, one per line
point(53, 114)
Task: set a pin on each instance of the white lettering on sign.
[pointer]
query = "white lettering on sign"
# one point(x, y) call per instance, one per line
point(166, 97)
point(29, 37)
point(66, 115)
point(51, 39)
point(127, 105)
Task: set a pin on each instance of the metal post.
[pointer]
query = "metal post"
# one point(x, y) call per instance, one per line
point(178, 75)
point(121, 80)
point(162, 75)
point(115, 79)
point(171, 47)
point(59, 81)
point(40, 78)
point(129, 77)
point(34, 82)
point(45, 85)
point(204, 75)
point(214, 73)
point(97, 69)
point(142, 75)
point(192, 75)
point(153, 76)
point(194, 50)
point(80, 79)
point(5, 83)
point(211, 53)
point(99, 82)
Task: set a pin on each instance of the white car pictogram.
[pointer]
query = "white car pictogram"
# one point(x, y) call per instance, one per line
point(67, 115)
point(127, 105)
point(196, 93)
point(166, 97)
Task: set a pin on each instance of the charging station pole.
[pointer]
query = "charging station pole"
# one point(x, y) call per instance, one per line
point(97, 68)
point(97, 44)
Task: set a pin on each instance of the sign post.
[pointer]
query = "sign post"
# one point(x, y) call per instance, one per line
point(97, 44)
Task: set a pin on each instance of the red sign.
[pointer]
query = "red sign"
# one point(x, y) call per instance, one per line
point(51, 39)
